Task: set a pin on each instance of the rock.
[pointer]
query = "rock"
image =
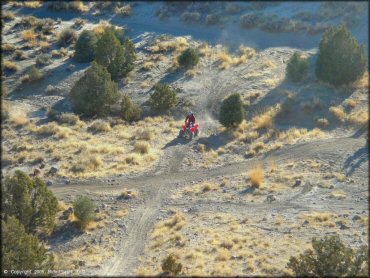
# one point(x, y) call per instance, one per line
point(345, 215)
point(36, 172)
point(53, 170)
point(270, 198)
point(104, 206)
point(298, 182)
point(306, 222)
point(81, 263)
point(356, 217)
point(342, 225)
point(42, 166)
point(97, 210)
point(49, 183)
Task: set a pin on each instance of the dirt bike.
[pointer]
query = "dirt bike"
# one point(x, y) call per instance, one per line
point(189, 131)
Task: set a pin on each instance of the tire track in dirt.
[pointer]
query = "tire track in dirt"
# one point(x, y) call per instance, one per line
point(158, 188)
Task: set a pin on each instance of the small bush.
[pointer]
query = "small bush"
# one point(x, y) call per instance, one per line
point(129, 112)
point(94, 92)
point(330, 258)
point(142, 147)
point(250, 20)
point(189, 58)
point(232, 111)
point(256, 176)
point(341, 59)
point(191, 17)
point(84, 209)
point(297, 68)
point(163, 98)
point(34, 74)
point(66, 37)
point(43, 60)
point(171, 266)
point(85, 47)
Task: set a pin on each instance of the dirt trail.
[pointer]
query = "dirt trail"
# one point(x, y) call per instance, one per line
point(159, 186)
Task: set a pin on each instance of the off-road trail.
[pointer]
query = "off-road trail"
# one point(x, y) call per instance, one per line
point(157, 187)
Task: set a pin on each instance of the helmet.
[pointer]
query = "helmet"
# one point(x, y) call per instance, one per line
point(190, 113)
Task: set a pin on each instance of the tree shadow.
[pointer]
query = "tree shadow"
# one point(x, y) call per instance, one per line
point(65, 233)
point(354, 161)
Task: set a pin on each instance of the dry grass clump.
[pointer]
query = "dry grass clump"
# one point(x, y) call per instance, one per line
point(267, 64)
point(53, 129)
point(256, 176)
point(132, 159)
point(338, 112)
point(359, 118)
point(263, 121)
point(177, 221)
point(68, 118)
point(18, 118)
point(29, 35)
point(179, 44)
point(319, 216)
point(126, 194)
point(32, 4)
point(322, 122)
point(87, 163)
point(142, 147)
point(363, 82)
point(144, 134)
point(8, 15)
point(338, 194)
point(351, 103)
point(293, 134)
point(148, 65)
point(204, 50)
point(11, 66)
point(7, 47)
point(122, 213)
point(100, 126)
point(99, 29)
point(124, 10)
point(44, 46)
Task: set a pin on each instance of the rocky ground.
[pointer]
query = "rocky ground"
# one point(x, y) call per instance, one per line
point(194, 199)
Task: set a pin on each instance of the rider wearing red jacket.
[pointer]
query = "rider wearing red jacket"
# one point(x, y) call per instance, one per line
point(190, 119)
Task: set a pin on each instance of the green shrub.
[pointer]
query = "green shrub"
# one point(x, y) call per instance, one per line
point(84, 209)
point(297, 68)
point(341, 59)
point(129, 112)
point(66, 37)
point(163, 98)
point(34, 74)
point(117, 58)
point(94, 92)
point(43, 60)
point(21, 250)
point(171, 266)
point(330, 258)
point(189, 58)
point(232, 111)
point(85, 47)
point(29, 201)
